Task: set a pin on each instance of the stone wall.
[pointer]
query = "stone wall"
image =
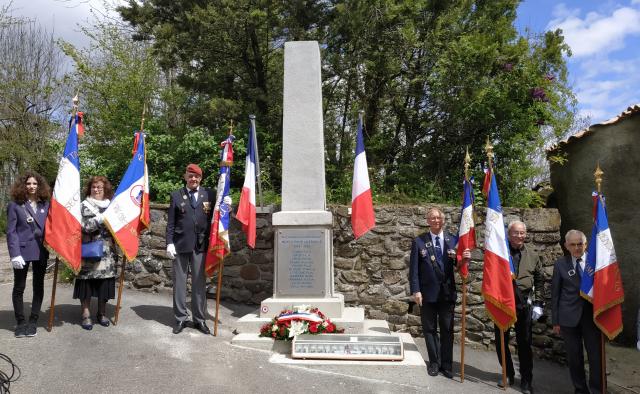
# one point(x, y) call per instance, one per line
point(371, 272)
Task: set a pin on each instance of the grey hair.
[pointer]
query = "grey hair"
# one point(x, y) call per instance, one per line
point(515, 222)
point(571, 233)
point(435, 209)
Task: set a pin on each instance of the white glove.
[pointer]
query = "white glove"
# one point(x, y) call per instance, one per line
point(99, 217)
point(17, 262)
point(536, 312)
point(227, 200)
point(171, 251)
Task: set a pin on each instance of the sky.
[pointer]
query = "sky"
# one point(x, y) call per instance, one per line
point(604, 36)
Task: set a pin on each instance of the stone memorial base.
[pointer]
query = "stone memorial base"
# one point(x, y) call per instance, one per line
point(332, 307)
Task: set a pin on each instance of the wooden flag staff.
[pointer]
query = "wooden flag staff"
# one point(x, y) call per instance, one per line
point(220, 265)
point(52, 307)
point(463, 335)
point(598, 178)
point(489, 148)
point(124, 261)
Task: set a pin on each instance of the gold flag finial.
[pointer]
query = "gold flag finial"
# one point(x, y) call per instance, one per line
point(489, 148)
point(231, 127)
point(467, 163)
point(76, 102)
point(598, 175)
point(144, 112)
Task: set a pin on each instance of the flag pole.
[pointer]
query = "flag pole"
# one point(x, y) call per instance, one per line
point(53, 296)
point(74, 110)
point(463, 335)
point(252, 119)
point(489, 148)
point(503, 359)
point(603, 361)
point(220, 265)
point(124, 260)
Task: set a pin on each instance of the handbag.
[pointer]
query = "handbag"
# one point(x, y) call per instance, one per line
point(92, 250)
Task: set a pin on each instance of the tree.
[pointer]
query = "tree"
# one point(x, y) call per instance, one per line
point(431, 76)
point(30, 97)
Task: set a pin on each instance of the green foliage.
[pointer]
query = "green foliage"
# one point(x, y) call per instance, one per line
point(431, 77)
point(66, 274)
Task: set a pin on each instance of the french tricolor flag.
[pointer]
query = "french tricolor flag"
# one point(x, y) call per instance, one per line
point(247, 207)
point(362, 216)
point(497, 282)
point(219, 243)
point(62, 229)
point(601, 281)
point(128, 213)
point(467, 231)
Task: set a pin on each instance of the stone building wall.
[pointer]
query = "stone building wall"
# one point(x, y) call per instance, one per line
point(371, 272)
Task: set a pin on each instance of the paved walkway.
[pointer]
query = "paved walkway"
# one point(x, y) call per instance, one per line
point(142, 355)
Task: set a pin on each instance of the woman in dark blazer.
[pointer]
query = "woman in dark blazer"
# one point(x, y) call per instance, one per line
point(26, 216)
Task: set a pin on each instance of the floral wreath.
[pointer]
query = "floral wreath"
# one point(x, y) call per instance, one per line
point(302, 319)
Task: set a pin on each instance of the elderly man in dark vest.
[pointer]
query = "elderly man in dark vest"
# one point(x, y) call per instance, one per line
point(188, 223)
point(432, 282)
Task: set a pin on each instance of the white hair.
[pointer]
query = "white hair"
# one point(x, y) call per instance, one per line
point(571, 233)
point(516, 222)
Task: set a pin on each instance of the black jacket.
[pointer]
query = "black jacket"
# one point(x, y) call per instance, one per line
point(188, 227)
point(422, 275)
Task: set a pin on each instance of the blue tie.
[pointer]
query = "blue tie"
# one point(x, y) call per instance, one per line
point(578, 267)
point(192, 197)
point(439, 252)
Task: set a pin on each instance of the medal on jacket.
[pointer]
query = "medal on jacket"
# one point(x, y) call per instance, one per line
point(423, 252)
point(206, 207)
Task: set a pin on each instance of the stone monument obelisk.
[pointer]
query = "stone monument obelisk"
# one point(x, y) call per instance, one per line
point(303, 228)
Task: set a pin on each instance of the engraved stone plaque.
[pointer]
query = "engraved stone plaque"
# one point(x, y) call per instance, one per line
point(301, 262)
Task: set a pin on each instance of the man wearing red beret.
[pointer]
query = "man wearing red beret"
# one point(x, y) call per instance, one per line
point(188, 226)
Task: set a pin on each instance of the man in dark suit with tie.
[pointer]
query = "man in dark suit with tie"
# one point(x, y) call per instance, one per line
point(188, 224)
point(572, 316)
point(432, 262)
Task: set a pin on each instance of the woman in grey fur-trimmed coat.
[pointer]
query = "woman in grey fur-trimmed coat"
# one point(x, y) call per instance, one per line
point(97, 276)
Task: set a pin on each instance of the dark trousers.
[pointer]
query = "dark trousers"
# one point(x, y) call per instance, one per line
point(183, 263)
point(523, 344)
point(19, 283)
point(586, 332)
point(439, 347)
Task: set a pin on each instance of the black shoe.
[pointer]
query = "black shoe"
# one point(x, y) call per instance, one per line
point(31, 330)
point(510, 379)
point(202, 327)
point(432, 369)
point(446, 373)
point(525, 387)
point(102, 320)
point(21, 330)
point(177, 329)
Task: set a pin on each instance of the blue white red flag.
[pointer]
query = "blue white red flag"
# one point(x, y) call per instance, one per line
point(128, 213)
point(466, 231)
point(219, 236)
point(62, 229)
point(363, 217)
point(601, 280)
point(247, 206)
point(497, 279)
